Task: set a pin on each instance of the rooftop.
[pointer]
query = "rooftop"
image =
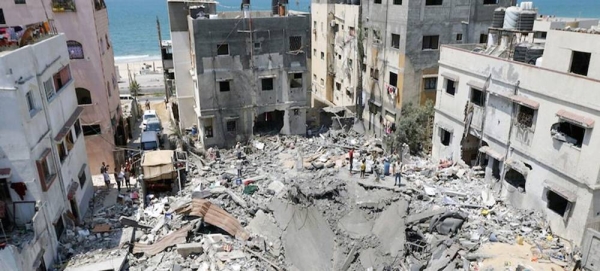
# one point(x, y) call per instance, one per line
point(15, 37)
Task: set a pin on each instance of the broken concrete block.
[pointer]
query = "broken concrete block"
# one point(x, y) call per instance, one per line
point(262, 225)
point(275, 187)
point(390, 230)
point(228, 256)
point(418, 217)
point(356, 224)
point(189, 248)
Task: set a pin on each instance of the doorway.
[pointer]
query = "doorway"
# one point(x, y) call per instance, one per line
point(74, 208)
point(269, 122)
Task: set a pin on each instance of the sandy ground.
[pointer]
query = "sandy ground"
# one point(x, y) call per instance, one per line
point(510, 256)
point(147, 72)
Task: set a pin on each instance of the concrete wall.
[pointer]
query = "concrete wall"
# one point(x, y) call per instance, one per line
point(560, 46)
point(244, 67)
point(571, 167)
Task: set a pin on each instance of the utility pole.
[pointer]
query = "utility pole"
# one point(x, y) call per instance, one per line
point(162, 58)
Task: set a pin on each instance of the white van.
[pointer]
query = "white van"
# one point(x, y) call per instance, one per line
point(149, 141)
point(126, 97)
point(148, 115)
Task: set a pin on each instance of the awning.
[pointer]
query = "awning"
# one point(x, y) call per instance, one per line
point(68, 124)
point(518, 166)
point(450, 76)
point(390, 118)
point(585, 122)
point(4, 173)
point(207, 116)
point(375, 103)
point(223, 77)
point(231, 117)
point(430, 75)
point(491, 152)
point(445, 127)
point(334, 109)
point(72, 190)
point(266, 76)
point(558, 189)
point(476, 84)
point(522, 100)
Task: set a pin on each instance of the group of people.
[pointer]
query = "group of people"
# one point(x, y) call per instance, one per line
point(396, 166)
point(122, 175)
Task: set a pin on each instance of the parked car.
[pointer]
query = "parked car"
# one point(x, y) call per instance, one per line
point(148, 115)
point(127, 97)
point(149, 141)
point(155, 126)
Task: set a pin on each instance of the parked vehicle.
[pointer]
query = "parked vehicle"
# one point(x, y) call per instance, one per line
point(154, 125)
point(148, 115)
point(149, 141)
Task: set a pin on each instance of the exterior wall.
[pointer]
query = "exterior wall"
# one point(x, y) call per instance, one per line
point(560, 45)
point(243, 68)
point(28, 134)
point(567, 167)
point(96, 73)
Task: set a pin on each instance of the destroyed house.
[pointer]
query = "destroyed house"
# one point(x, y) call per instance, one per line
point(529, 124)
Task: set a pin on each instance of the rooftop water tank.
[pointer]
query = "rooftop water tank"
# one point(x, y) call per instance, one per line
point(498, 18)
point(275, 7)
point(520, 54)
point(526, 19)
point(510, 17)
point(533, 53)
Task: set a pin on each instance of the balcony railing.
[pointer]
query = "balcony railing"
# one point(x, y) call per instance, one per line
point(63, 5)
point(18, 36)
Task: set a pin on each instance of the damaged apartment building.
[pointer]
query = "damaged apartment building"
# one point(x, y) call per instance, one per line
point(526, 112)
point(240, 73)
point(381, 54)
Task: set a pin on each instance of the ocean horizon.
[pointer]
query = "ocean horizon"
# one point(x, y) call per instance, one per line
point(133, 31)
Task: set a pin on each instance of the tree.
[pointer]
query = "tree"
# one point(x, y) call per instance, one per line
point(134, 87)
point(412, 127)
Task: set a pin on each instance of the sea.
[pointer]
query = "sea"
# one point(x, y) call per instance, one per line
point(134, 34)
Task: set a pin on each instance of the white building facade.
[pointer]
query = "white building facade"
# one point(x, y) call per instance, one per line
point(531, 127)
point(45, 182)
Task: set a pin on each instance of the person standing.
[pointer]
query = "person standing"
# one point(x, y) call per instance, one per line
point(376, 171)
point(102, 168)
point(106, 179)
point(397, 171)
point(238, 166)
point(147, 104)
point(351, 156)
point(120, 179)
point(363, 168)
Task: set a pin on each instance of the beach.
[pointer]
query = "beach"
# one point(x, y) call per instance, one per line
point(146, 70)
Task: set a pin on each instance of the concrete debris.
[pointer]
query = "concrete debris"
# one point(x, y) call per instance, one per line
point(298, 206)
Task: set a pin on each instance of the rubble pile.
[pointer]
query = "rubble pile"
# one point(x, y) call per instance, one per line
point(297, 207)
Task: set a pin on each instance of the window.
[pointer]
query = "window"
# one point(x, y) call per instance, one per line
point(350, 62)
point(450, 87)
point(61, 78)
point(89, 130)
point(568, 132)
point(445, 137)
point(525, 116)
point(49, 89)
point(580, 63)
point(496, 168)
point(430, 83)
point(557, 203)
point(515, 179)
point(69, 142)
point(397, 2)
point(483, 38)
point(295, 43)
point(83, 96)
point(375, 74)
point(540, 35)
point(257, 45)
point(458, 37)
point(75, 49)
point(431, 42)
point(77, 127)
point(59, 227)
point(19, 1)
point(63, 5)
point(266, 84)
point(322, 56)
point(296, 112)
point(314, 77)
point(433, 2)
point(108, 89)
point(82, 176)
point(30, 103)
point(322, 82)
point(222, 49)
point(377, 1)
point(477, 97)
point(351, 31)
point(2, 20)
point(338, 86)
point(45, 169)
point(101, 44)
point(224, 86)
point(490, 2)
point(107, 42)
point(62, 151)
point(314, 52)
point(396, 41)
point(296, 81)
point(231, 126)
point(393, 79)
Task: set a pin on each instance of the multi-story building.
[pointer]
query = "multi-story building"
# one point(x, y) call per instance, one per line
point(240, 73)
point(400, 49)
point(532, 127)
point(44, 175)
point(85, 23)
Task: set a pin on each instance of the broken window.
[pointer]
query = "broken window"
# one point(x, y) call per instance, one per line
point(580, 63)
point(45, 169)
point(375, 74)
point(83, 96)
point(61, 78)
point(376, 36)
point(431, 42)
point(208, 131)
point(477, 97)
point(540, 34)
point(266, 84)
point(397, 2)
point(557, 203)
point(496, 168)
point(296, 81)
point(296, 112)
point(338, 86)
point(434, 2)
point(393, 79)
point(450, 87)
point(231, 126)
point(490, 2)
point(445, 137)
point(515, 179)
point(322, 55)
point(82, 176)
point(222, 49)
point(62, 151)
point(295, 43)
point(568, 132)
point(224, 86)
point(525, 116)
point(59, 227)
point(377, 1)
point(483, 38)
point(458, 37)
point(396, 41)
point(30, 102)
point(430, 83)
point(91, 130)
point(257, 46)
point(75, 49)
point(77, 128)
point(351, 31)
point(322, 82)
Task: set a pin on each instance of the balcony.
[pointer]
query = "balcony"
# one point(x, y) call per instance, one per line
point(63, 5)
point(99, 4)
point(15, 37)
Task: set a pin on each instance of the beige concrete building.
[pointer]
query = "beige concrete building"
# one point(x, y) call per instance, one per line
point(531, 127)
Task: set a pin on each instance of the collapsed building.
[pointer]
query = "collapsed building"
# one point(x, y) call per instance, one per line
point(239, 73)
point(523, 111)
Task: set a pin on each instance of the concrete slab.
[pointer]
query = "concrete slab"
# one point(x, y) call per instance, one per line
point(307, 238)
point(356, 224)
point(368, 259)
point(262, 225)
point(423, 215)
point(390, 229)
point(368, 199)
point(109, 265)
point(188, 248)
